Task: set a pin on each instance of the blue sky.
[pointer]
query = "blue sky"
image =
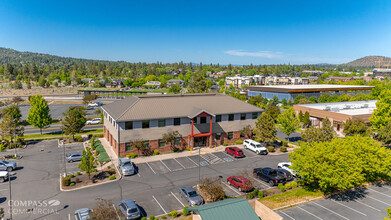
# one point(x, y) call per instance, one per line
point(236, 32)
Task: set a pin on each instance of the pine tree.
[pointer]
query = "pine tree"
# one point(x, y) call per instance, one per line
point(265, 128)
point(88, 162)
point(73, 121)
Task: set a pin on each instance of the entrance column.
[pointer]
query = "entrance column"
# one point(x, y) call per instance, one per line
point(210, 132)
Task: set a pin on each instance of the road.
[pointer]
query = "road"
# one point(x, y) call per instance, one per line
point(56, 128)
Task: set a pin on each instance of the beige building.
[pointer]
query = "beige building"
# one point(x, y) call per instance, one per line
point(200, 119)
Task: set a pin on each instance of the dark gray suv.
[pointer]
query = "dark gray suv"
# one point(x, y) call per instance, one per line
point(130, 209)
point(191, 196)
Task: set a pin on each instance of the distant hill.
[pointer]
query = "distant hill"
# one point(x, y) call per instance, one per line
point(17, 57)
point(368, 61)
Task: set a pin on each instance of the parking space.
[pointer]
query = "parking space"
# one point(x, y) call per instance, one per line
point(71, 168)
point(172, 165)
point(158, 167)
point(250, 154)
point(366, 203)
point(186, 162)
point(224, 156)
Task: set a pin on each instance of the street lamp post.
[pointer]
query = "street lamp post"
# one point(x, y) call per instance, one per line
point(10, 199)
point(199, 163)
point(62, 143)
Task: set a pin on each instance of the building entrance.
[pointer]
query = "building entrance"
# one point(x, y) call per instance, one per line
point(200, 142)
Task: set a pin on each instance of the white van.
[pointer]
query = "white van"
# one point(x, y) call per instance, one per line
point(254, 146)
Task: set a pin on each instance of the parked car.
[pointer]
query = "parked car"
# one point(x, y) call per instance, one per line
point(93, 121)
point(240, 182)
point(254, 146)
point(286, 174)
point(130, 209)
point(82, 214)
point(74, 157)
point(99, 103)
point(286, 166)
point(234, 151)
point(126, 166)
point(93, 105)
point(191, 196)
point(269, 175)
point(4, 176)
point(7, 165)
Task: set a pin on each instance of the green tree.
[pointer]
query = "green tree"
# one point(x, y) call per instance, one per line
point(273, 111)
point(73, 121)
point(320, 163)
point(197, 83)
point(301, 116)
point(381, 115)
point(169, 137)
point(298, 98)
point(39, 113)
point(274, 101)
point(313, 99)
point(388, 213)
point(384, 134)
point(324, 98)
point(284, 102)
point(88, 162)
point(306, 119)
point(323, 134)
point(10, 124)
point(246, 131)
point(265, 128)
point(254, 100)
point(356, 127)
point(290, 102)
point(289, 122)
point(42, 82)
point(139, 145)
point(175, 89)
point(89, 98)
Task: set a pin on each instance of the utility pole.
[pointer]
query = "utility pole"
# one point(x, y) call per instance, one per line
point(63, 146)
point(10, 199)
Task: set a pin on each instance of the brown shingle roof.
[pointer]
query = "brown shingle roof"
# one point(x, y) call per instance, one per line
point(171, 106)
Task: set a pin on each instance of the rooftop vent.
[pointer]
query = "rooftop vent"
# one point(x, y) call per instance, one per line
point(327, 108)
point(335, 109)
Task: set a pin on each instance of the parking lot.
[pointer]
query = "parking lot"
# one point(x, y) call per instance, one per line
point(365, 203)
point(71, 168)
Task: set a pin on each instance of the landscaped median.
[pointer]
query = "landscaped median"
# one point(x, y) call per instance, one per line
point(94, 168)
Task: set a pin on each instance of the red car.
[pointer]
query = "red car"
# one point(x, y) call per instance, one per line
point(240, 182)
point(234, 151)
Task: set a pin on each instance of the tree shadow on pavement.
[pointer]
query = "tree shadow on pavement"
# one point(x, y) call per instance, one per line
point(350, 195)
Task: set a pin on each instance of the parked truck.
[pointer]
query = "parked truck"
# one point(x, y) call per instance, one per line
point(272, 176)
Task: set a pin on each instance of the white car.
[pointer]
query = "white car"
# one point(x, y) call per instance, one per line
point(4, 176)
point(254, 146)
point(285, 166)
point(93, 121)
point(93, 105)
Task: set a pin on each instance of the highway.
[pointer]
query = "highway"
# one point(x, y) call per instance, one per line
point(56, 128)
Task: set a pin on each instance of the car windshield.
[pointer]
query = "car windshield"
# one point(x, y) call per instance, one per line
point(6, 162)
point(239, 151)
point(133, 210)
point(193, 194)
point(126, 164)
point(257, 145)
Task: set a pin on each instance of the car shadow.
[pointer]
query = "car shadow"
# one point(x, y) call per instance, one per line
point(3, 199)
point(143, 213)
point(18, 168)
point(350, 195)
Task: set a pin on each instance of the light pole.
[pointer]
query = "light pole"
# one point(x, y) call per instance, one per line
point(199, 163)
point(62, 143)
point(10, 199)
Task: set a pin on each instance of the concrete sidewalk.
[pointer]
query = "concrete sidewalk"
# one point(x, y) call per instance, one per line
point(110, 152)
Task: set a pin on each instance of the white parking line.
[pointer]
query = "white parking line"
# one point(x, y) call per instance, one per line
point(386, 187)
point(177, 199)
point(150, 167)
point(268, 187)
point(166, 166)
point(179, 163)
point(369, 206)
point(330, 211)
point(287, 215)
point(308, 212)
point(159, 205)
point(3, 190)
point(377, 200)
point(339, 203)
point(138, 174)
point(380, 193)
point(193, 162)
point(116, 211)
point(231, 188)
point(69, 216)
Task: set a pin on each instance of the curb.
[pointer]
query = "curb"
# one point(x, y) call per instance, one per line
point(83, 187)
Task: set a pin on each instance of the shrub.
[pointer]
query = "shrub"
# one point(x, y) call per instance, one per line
point(288, 186)
point(258, 140)
point(96, 153)
point(77, 180)
point(176, 150)
point(284, 143)
point(225, 144)
point(185, 212)
point(239, 142)
point(78, 173)
point(164, 217)
point(111, 172)
point(80, 139)
point(152, 217)
point(256, 191)
point(250, 195)
point(132, 155)
point(72, 184)
point(66, 181)
point(283, 149)
point(156, 152)
point(271, 149)
point(281, 187)
point(71, 176)
point(293, 184)
point(260, 194)
point(144, 218)
point(188, 148)
point(112, 177)
point(174, 214)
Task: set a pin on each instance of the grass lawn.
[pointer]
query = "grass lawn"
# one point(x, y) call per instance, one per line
point(290, 197)
point(56, 134)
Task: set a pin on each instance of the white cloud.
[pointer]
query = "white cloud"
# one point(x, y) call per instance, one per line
point(264, 54)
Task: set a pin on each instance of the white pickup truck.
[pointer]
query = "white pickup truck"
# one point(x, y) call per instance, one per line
point(4, 176)
point(254, 146)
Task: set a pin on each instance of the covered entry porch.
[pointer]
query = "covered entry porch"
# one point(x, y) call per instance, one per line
point(201, 139)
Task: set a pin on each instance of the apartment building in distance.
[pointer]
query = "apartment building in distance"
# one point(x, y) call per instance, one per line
point(200, 119)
